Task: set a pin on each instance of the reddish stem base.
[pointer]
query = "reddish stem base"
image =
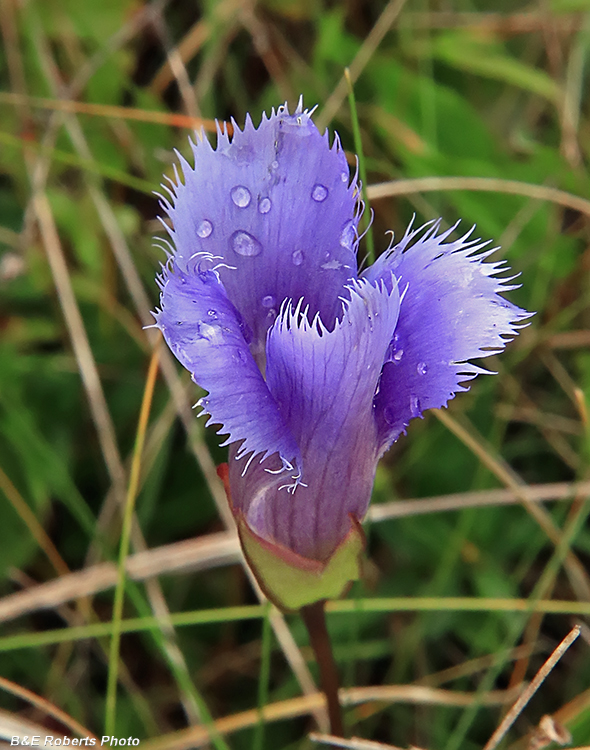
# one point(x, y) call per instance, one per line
point(314, 617)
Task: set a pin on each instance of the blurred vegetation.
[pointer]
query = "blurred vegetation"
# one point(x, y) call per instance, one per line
point(471, 89)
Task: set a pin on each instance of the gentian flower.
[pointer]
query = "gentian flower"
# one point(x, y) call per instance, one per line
point(312, 369)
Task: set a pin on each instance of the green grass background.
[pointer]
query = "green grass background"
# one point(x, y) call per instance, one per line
point(464, 89)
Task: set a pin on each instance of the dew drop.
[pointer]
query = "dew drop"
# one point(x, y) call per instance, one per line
point(212, 314)
point(319, 193)
point(245, 244)
point(274, 164)
point(204, 229)
point(415, 410)
point(268, 301)
point(297, 258)
point(344, 176)
point(397, 356)
point(210, 333)
point(264, 206)
point(240, 195)
point(422, 368)
point(348, 235)
point(332, 265)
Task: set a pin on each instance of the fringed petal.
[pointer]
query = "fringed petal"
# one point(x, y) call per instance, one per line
point(451, 311)
point(208, 336)
point(277, 206)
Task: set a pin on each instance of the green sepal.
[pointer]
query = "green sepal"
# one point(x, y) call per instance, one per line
point(292, 581)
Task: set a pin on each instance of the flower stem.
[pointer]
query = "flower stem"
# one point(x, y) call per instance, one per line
point(314, 617)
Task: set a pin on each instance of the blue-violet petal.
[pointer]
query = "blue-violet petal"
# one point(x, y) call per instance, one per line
point(276, 205)
point(324, 383)
point(208, 336)
point(451, 312)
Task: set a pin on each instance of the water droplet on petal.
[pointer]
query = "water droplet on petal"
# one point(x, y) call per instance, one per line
point(274, 165)
point(332, 265)
point(204, 229)
point(415, 410)
point(210, 333)
point(319, 193)
point(212, 314)
point(268, 301)
point(348, 235)
point(297, 258)
point(240, 195)
point(422, 368)
point(245, 244)
point(397, 356)
point(265, 205)
point(344, 176)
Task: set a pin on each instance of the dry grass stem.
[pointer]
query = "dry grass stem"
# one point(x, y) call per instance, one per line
point(110, 111)
point(30, 520)
point(569, 340)
point(80, 343)
point(485, 184)
point(534, 493)
point(354, 743)
point(179, 71)
point(46, 707)
point(185, 50)
point(12, 725)
point(472, 666)
point(531, 689)
point(507, 24)
point(294, 707)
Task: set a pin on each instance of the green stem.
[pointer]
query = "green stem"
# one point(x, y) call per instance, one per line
point(314, 617)
point(358, 147)
point(111, 699)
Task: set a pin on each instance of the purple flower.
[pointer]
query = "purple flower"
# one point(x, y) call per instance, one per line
point(312, 369)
